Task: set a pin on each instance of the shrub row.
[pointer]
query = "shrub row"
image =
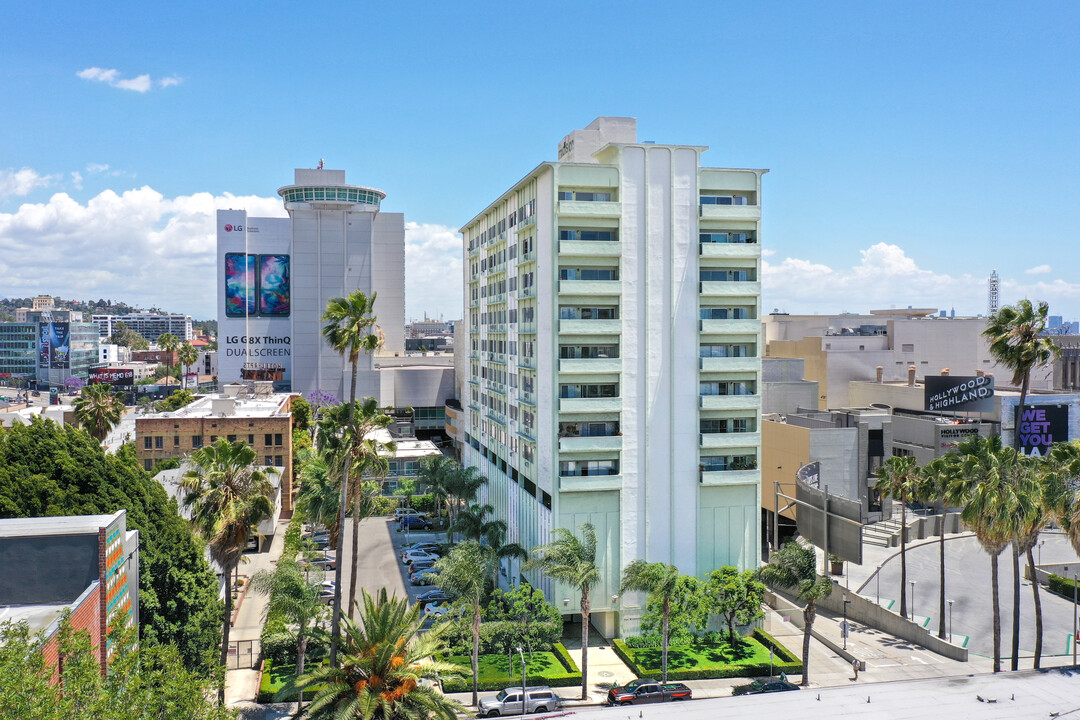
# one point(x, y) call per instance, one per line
point(784, 661)
point(553, 678)
point(500, 635)
point(564, 657)
point(1062, 586)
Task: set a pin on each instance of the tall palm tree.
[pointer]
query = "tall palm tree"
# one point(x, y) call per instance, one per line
point(98, 410)
point(228, 497)
point(434, 473)
point(463, 574)
point(385, 659)
point(660, 580)
point(1066, 504)
point(937, 482)
point(494, 537)
point(188, 356)
point(169, 343)
point(990, 507)
point(462, 487)
point(317, 498)
point(472, 521)
point(348, 328)
point(295, 598)
point(794, 567)
point(898, 478)
point(1018, 340)
point(572, 561)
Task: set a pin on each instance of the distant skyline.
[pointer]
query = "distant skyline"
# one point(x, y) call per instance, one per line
point(912, 148)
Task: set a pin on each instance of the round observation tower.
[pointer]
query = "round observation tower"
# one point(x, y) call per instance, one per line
point(332, 194)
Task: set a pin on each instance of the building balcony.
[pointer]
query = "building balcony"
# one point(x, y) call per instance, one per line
point(730, 364)
point(527, 327)
point(497, 417)
point(527, 257)
point(730, 212)
point(526, 433)
point(590, 327)
point(497, 327)
point(525, 224)
point(588, 444)
point(731, 477)
point(730, 250)
point(733, 288)
point(589, 405)
point(527, 291)
point(527, 362)
point(730, 327)
point(590, 248)
point(527, 398)
point(590, 365)
point(730, 402)
point(589, 208)
point(590, 287)
point(712, 441)
point(589, 483)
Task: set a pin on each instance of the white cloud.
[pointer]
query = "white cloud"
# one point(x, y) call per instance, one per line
point(23, 182)
point(96, 168)
point(886, 277)
point(140, 84)
point(433, 271)
point(1038, 270)
point(76, 179)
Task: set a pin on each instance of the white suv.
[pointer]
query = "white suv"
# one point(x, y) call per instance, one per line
point(408, 512)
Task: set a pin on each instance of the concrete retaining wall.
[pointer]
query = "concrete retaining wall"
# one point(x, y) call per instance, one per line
point(795, 615)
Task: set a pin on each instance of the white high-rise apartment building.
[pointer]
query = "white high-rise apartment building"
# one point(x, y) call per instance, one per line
point(150, 325)
point(613, 335)
point(276, 276)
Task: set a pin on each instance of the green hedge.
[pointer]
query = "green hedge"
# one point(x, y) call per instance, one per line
point(494, 672)
point(1062, 586)
point(564, 657)
point(783, 661)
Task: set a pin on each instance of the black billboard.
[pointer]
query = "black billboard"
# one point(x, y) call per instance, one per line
point(958, 394)
point(117, 377)
point(1040, 426)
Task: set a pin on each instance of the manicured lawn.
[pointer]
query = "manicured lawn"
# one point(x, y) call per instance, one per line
point(543, 668)
point(749, 657)
point(274, 679)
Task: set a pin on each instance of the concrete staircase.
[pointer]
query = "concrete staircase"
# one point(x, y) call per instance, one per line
point(883, 534)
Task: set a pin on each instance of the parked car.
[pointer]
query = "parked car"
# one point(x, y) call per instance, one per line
point(419, 555)
point(539, 698)
point(414, 522)
point(764, 686)
point(645, 690)
point(408, 512)
point(432, 596)
point(428, 547)
point(323, 562)
point(318, 542)
point(436, 609)
point(424, 576)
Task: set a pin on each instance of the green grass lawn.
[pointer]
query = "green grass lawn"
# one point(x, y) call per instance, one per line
point(749, 657)
point(275, 678)
point(543, 668)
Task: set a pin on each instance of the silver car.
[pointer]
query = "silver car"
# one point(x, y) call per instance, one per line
point(541, 698)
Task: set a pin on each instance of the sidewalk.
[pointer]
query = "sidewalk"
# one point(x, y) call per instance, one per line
point(243, 684)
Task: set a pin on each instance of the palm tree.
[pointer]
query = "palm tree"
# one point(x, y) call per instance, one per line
point(660, 580)
point(572, 561)
point(434, 474)
point(188, 356)
point(1066, 504)
point(385, 659)
point(169, 343)
point(348, 330)
point(495, 539)
point(462, 486)
point(294, 598)
point(937, 483)
point(463, 574)
point(98, 410)
point(319, 489)
point(990, 507)
point(1018, 340)
point(472, 521)
point(897, 478)
point(228, 496)
point(794, 568)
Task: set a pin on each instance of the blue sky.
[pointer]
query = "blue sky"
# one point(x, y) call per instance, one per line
point(912, 147)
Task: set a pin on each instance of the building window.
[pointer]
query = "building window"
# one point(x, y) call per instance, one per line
point(712, 275)
point(726, 313)
point(176, 441)
point(731, 387)
point(581, 196)
point(598, 390)
point(269, 460)
point(588, 274)
point(727, 237)
point(588, 235)
point(724, 463)
point(159, 442)
point(727, 350)
point(213, 439)
point(712, 426)
point(196, 441)
point(251, 439)
point(278, 439)
point(148, 443)
point(277, 461)
point(231, 438)
point(724, 200)
point(588, 468)
point(148, 464)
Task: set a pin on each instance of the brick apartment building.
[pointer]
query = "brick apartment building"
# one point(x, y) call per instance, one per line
point(85, 564)
point(262, 419)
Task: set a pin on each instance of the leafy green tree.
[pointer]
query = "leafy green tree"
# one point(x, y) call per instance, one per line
point(50, 470)
point(794, 568)
point(687, 612)
point(991, 507)
point(124, 335)
point(1018, 340)
point(301, 413)
point(898, 478)
point(463, 573)
point(148, 680)
point(98, 410)
point(529, 615)
point(385, 659)
point(175, 401)
point(735, 596)
point(659, 580)
point(572, 561)
point(228, 497)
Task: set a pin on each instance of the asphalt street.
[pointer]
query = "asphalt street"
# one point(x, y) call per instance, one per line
point(967, 582)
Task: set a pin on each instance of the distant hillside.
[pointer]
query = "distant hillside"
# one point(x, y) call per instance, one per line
point(101, 306)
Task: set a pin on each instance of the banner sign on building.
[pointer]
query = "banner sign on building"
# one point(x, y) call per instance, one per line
point(54, 348)
point(117, 377)
point(959, 394)
point(1040, 426)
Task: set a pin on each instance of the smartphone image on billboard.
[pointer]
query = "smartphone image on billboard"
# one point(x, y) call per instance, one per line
point(274, 285)
point(239, 284)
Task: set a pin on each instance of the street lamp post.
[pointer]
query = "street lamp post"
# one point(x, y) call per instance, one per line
point(913, 600)
point(950, 620)
point(1041, 543)
point(846, 601)
point(524, 694)
point(878, 575)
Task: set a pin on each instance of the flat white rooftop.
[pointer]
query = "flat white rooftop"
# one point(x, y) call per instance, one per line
point(68, 525)
point(245, 407)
